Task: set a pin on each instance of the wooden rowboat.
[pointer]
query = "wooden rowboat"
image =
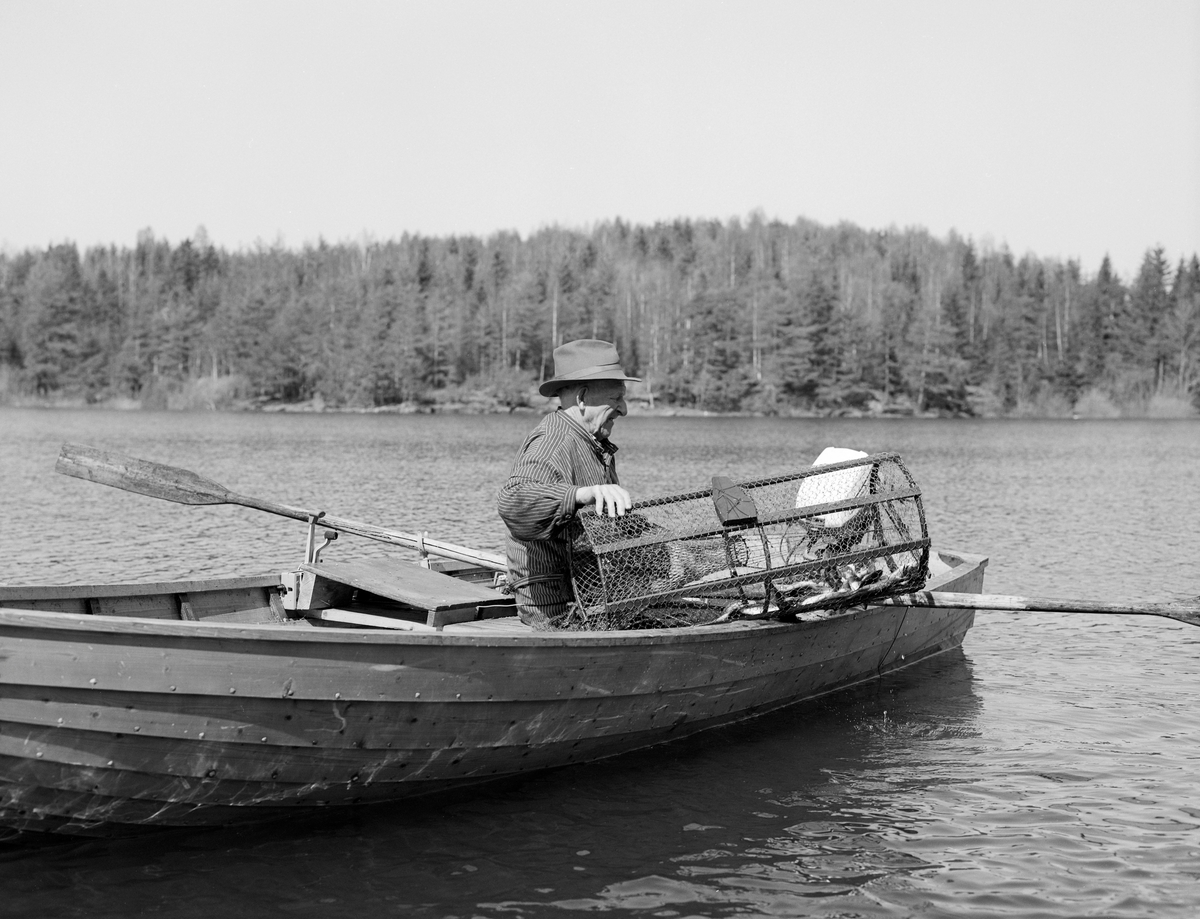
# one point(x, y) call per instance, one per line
point(222, 701)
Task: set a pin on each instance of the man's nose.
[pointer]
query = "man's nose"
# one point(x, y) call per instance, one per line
point(622, 407)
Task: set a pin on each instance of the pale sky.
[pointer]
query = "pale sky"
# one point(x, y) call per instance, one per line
point(1067, 129)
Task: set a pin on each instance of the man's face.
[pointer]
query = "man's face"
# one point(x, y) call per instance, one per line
point(603, 404)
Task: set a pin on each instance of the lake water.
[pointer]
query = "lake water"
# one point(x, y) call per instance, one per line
point(1047, 769)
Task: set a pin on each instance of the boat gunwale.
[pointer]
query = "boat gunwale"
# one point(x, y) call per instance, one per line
point(300, 631)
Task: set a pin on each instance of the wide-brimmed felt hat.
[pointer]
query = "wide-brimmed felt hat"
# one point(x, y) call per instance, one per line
point(586, 359)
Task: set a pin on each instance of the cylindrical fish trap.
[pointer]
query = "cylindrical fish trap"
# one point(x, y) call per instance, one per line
point(838, 534)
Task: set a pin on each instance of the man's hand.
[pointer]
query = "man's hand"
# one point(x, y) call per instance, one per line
point(609, 499)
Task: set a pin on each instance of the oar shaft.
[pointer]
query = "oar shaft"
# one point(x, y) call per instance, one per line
point(1181, 612)
point(185, 487)
point(380, 534)
point(432, 546)
point(1013, 604)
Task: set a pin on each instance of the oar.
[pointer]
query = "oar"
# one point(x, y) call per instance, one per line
point(1184, 611)
point(185, 487)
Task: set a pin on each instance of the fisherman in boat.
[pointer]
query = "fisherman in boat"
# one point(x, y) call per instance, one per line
point(566, 463)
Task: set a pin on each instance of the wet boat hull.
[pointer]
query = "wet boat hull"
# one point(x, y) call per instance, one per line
point(113, 723)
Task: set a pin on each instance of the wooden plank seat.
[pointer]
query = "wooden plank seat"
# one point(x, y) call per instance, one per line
point(391, 594)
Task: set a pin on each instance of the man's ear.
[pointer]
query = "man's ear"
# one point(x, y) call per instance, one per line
point(581, 396)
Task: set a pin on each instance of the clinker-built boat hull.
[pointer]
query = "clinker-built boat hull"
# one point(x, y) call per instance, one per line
point(112, 721)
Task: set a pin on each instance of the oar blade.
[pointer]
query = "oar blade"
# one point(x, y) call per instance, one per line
point(141, 476)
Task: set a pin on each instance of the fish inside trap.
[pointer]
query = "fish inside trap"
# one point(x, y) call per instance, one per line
point(846, 531)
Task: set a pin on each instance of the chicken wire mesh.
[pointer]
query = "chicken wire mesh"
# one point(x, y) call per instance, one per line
point(835, 535)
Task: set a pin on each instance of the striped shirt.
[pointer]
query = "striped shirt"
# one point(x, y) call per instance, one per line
point(537, 504)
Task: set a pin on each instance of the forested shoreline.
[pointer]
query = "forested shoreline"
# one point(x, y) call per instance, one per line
point(735, 316)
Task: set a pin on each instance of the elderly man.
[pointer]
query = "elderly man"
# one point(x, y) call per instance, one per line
point(567, 463)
